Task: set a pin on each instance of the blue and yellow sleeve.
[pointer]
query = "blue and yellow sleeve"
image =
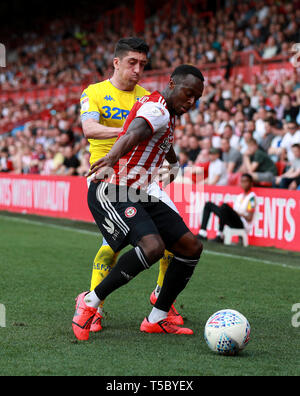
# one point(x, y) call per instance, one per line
point(88, 106)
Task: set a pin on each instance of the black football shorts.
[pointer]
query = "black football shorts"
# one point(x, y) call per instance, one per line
point(125, 215)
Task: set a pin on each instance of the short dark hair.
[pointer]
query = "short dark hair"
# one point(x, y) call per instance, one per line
point(127, 44)
point(252, 141)
point(248, 176)
point(228, 126)
point(296, 145)
point(184, 70)
point(292, 121)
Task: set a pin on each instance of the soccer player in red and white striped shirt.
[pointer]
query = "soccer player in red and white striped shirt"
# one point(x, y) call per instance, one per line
point(127, 215)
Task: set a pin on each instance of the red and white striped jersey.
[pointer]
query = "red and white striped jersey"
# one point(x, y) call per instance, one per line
point(140, 166)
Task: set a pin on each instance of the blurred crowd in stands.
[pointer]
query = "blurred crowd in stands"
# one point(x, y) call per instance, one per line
point(236, 127)
point(67, 53)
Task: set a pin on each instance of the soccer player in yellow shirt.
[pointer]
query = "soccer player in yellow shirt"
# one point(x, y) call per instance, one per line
point(104, 108)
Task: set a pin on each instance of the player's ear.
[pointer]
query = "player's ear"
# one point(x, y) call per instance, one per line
point(171, 83)
point(116, 63)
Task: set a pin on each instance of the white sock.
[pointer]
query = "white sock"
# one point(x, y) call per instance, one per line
point(203, 233)
point(92, 300)
point(100, 311)
point(157, 315)
point(157, 291)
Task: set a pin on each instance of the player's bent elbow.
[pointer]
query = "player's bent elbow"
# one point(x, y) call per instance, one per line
point(88, 128)
point(88, 134)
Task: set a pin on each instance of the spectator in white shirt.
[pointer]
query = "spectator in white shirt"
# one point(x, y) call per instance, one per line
point(240, 216)
point(217, 172)
point(289, 139)
point(291, 178)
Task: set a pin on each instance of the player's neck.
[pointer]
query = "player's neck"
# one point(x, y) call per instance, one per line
point(165, 94)
point(121, 84)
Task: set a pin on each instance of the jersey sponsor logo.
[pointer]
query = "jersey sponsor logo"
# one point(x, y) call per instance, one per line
point(114, 113)
point(130, 212)
point(108, 97)
point(166, 145)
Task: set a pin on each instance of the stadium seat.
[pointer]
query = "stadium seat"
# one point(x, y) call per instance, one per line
point(280, 165)
point(234, 179)
point(230, 232)
point(263, 184)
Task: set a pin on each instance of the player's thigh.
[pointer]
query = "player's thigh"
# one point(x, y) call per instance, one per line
point(121, 220)
point(169, 223)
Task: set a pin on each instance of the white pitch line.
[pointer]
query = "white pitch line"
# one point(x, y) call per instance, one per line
point(235, 256)
point(95, 233)
point(42, 224)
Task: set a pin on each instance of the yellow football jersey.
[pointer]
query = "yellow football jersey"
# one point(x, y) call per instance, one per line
point(110, 107)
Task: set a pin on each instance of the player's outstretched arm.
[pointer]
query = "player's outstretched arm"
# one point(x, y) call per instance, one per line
point(93, 130)
point(138, 131)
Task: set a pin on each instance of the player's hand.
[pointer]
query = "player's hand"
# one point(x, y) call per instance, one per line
point(168, 173)
point(101, 169)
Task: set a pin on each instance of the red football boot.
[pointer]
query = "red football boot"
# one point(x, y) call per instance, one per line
point(83, 318)
point(174, 316)
point(163, 326)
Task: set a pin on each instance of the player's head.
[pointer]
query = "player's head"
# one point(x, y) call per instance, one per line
point(246, 182)
point(296, 150)
point(130, 58)
point(184, 89)
point(252, 146)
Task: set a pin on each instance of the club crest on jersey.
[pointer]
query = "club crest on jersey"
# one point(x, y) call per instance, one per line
point(130, 212)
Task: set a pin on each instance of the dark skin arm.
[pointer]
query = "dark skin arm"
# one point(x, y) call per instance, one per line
point(168, 173)
point(171, 157)
point(138, 131)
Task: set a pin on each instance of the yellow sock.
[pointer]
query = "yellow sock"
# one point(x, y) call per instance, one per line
point(103, 263)
point(163, 266)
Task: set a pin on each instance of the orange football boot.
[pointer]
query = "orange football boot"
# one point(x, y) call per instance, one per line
point(83, 318)
point(96, 324)
point(163, 326)
point(174, 316)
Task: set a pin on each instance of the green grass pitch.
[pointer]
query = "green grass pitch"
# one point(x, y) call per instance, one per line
point(45, 263)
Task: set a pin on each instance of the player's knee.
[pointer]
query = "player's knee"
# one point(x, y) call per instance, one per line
point(194, 247)
point(153, 248)
point(198, 248)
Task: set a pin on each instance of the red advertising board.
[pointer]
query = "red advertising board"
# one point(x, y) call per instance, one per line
point(277, 220)
point(52, 196)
